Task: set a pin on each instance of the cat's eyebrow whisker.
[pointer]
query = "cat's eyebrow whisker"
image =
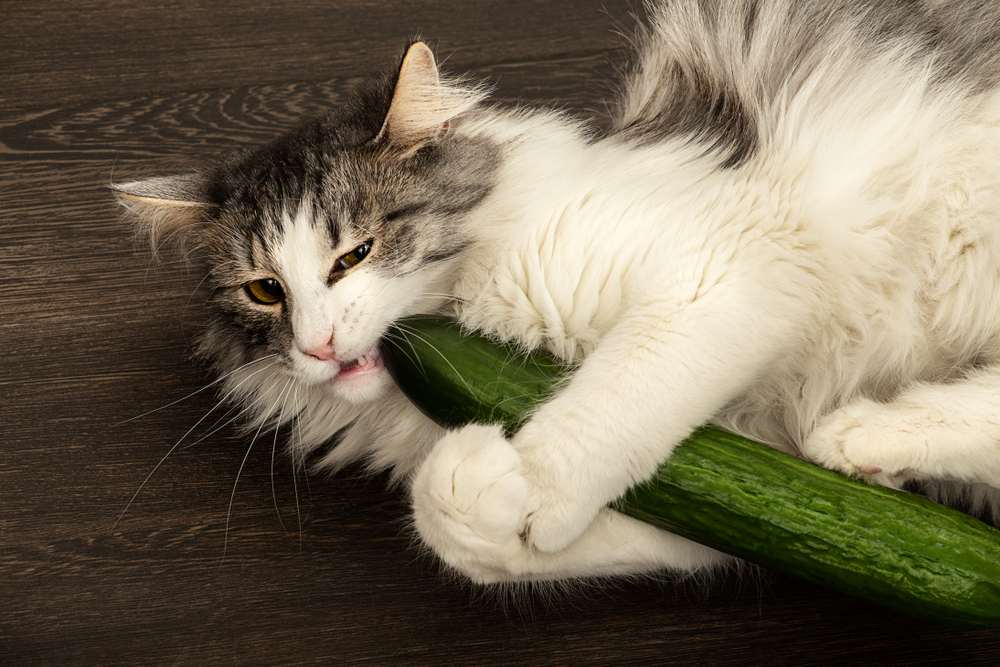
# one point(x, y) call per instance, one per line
point(232, 496)
point(180, 440)
point(200, 283)
point(196, 391)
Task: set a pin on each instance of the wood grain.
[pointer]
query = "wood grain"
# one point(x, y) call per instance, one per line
point(94, 333)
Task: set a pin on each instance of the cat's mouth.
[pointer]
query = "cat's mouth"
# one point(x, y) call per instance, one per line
point(368, 362)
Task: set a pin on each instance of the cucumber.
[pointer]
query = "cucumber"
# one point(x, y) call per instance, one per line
point(744, 498)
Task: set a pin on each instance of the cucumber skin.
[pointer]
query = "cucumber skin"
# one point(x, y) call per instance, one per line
point(744, 498)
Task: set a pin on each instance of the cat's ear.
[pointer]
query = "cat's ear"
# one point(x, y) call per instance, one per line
point(166, 206)
point(422, 103)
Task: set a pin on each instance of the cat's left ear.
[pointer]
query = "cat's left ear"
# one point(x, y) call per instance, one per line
point(167, 206)
point(422, 104)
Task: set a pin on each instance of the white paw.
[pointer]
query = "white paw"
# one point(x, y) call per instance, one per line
point(868, 440)
point(567, 497)
point(476, 506)
point(471, 504)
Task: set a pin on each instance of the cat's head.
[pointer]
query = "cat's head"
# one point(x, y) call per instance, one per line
point(318, 241)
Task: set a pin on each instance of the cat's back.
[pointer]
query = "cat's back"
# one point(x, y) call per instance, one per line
point(722, 73)
point(877, 121)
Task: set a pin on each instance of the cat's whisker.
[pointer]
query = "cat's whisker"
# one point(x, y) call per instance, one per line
point(179, 441)
point(218, 425)
point(406, 332)
point(443, 295)
point(195, 392)
point(215, 428)
point(441, 354)
point(394, 340)
point(295, 480)
point(232, 496)
point(507, 399)
point(274, 447)
point(253, 404)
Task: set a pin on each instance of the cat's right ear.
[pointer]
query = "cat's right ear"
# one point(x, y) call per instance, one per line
point(423, 103)
point(166, 207)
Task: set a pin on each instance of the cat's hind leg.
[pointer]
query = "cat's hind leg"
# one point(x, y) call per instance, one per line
point(948, 431)
point(471, 503)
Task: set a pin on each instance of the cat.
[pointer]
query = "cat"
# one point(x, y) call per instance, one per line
point(791, 228)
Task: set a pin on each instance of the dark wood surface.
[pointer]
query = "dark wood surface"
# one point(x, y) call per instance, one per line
point(93, 333)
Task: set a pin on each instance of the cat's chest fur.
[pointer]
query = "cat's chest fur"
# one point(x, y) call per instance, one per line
point(542, 293)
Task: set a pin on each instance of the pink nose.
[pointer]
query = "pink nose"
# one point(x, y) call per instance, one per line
point(322, 352)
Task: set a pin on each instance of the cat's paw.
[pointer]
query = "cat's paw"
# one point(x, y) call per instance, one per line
point(490, 515)
point(471, 504)
point(566, 497)
point(868, 440)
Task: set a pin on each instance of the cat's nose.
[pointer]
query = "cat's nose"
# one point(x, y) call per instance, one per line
point(322, 352)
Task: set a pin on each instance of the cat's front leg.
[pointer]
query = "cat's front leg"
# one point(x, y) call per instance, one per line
point(663, 370)
point(472, 505)
point(948, 432)
point(659, 373)
point(475, 501)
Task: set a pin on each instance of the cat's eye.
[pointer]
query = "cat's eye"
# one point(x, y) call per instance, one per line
point(266, 291)
point(353, 258)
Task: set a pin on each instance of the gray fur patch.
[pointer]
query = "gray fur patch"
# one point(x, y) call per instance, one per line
point(410, 205)
point(706, 70)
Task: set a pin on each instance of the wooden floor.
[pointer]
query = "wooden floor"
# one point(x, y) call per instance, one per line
point(93, 333)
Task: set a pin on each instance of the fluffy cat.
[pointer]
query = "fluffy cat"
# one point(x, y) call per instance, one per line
point(792, 228)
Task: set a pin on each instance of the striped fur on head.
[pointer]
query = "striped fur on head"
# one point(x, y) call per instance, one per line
point(383, 168)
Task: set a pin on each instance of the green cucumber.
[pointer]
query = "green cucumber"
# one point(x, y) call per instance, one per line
point(741, 497)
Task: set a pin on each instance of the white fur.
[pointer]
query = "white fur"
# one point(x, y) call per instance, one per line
point(354, 315)
point(831, 296)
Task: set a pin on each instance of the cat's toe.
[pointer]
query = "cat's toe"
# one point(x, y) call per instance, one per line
point(862, 440)
point(471, 504)
point(557, 523)
point(565, 501)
